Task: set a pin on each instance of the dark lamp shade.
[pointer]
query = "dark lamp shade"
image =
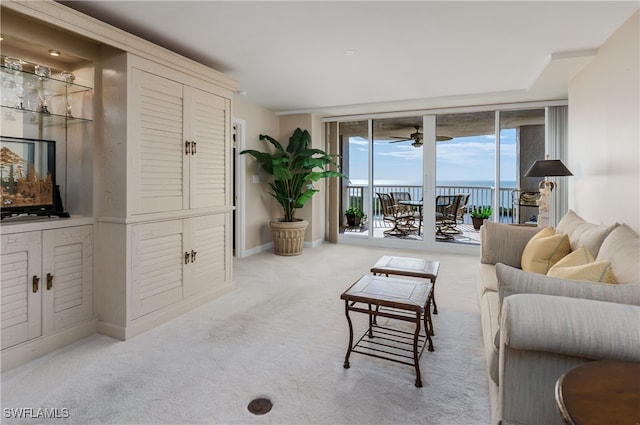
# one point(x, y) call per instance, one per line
point(548, 167)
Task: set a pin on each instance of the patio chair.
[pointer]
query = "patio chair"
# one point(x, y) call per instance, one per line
point(462, 208)
point(447, 210)
point(398, 197)
point(403, 221)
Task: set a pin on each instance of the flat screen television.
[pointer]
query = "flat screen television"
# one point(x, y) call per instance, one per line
point(28, 176)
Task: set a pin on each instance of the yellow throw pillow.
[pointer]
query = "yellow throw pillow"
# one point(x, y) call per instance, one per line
point(544, 250)
point(579, 257)
point(592, 272)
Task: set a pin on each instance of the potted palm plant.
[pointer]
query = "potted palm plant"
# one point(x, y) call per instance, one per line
point(479, 214)
point(293, 171)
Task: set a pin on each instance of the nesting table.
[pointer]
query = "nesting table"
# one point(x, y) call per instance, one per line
point(400, 299)
point(410, 267)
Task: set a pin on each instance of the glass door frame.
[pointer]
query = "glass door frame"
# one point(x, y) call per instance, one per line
point(428, 242)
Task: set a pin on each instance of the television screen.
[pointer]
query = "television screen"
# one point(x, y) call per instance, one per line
point(27, 174)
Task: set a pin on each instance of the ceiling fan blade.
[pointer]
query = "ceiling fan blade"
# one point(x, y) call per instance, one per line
point(443, 138)
point(398, 141)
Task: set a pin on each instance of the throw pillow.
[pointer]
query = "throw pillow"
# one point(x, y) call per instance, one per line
point(503, 243)
point(579, 257)
point(581, 232)
point(622, 249)
point(544, 250)
point(593, 272)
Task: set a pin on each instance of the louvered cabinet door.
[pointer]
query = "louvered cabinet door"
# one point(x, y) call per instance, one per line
point(207, 266)
point(158, 159)
point(67, 281)
point(21, 297)
point(157, 260)
point(206, 122)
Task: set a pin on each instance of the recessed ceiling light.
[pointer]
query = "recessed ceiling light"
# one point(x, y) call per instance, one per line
point(349, 52)
point(54, 52)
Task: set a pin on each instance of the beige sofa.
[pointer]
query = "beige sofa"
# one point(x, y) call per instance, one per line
point(536, 327)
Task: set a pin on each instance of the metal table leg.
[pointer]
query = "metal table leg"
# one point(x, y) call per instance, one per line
point(346, 312)
point(416, 358)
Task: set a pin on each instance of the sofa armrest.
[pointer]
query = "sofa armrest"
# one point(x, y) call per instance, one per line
point(504, 243)
point(544, 336)
point(571, 326)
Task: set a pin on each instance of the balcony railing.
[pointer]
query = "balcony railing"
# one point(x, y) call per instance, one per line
point(479, 196)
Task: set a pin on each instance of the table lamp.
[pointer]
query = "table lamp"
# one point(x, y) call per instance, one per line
point(546, 168)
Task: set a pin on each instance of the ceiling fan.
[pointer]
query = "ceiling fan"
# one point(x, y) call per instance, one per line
point(417, 138)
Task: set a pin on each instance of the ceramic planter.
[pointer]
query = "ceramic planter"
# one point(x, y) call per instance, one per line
point(288, 236)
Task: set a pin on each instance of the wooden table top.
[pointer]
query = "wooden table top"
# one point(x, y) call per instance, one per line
point(406, 266)
point(601, 392)
point(386, 291)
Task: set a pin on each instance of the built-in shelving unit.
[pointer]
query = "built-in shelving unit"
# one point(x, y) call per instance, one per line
point(149, 235)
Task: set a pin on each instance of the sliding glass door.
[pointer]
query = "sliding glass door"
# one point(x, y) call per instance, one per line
point(397, 163)
point(421, 179)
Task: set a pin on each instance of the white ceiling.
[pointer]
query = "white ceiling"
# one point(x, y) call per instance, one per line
point(290, 56)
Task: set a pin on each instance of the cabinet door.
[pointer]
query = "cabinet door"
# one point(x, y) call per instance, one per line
point(207, 265)
point(207, 126)
point(157, 259)
point(21, 297)
point(158, 162)
point(67, 277)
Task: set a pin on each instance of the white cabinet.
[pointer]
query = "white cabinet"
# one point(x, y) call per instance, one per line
point(47, 282)
point(165, 208)
point(175, 260)
point(178, 145)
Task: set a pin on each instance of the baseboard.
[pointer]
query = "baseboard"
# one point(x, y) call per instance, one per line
point(314, 244)
point(259, 249)
point(111, 330)
point(29, 350)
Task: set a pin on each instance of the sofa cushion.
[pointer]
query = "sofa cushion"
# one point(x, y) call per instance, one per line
point(514, 281)
point(503, 243)
point(488, 280)
point(544, 250)
point(583, 233)
point(622, 249)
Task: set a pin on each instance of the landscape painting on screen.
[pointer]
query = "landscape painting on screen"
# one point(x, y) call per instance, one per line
point(27, 173)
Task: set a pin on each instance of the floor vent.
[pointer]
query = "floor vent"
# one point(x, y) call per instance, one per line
point(260, 406)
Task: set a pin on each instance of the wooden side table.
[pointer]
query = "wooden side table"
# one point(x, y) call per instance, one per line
point(410, 267)
point(400, 299)
point(600, 392)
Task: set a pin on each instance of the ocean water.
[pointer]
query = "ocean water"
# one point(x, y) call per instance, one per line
point(461, 183)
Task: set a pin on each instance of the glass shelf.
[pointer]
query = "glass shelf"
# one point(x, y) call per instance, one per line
point(23, 91)
point(35, 117)
point(52, 84)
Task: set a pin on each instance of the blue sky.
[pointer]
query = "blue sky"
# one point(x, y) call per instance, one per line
point(460, 159)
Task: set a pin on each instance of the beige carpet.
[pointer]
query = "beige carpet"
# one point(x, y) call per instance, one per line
point(281, 334)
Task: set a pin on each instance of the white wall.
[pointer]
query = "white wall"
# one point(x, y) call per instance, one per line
point(259, 205)
point(604, 111)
